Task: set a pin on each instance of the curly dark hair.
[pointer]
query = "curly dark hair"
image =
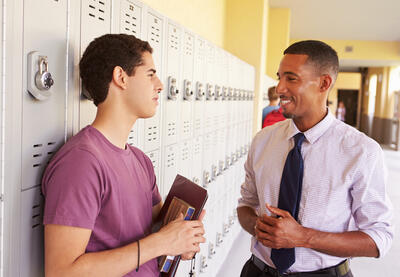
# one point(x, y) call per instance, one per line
point(101, 57)
point(320, 55)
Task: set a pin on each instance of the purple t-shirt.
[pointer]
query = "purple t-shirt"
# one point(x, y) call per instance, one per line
point(93, 184)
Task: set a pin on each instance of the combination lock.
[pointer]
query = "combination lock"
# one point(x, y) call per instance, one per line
point(43, 79)
point(40, 80)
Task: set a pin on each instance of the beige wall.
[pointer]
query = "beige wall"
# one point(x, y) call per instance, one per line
point(345, 80)
point(278, 38)
point(246, 37)
point(205, 17)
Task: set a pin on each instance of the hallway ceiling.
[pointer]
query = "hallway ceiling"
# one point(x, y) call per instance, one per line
point(343, 19)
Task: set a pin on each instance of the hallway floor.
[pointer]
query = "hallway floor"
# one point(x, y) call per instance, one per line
point(388, 266)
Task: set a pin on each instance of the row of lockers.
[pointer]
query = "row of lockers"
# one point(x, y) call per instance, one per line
point(201, 130)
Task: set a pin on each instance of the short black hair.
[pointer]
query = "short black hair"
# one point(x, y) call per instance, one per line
point(320, 55)
point(101, 57)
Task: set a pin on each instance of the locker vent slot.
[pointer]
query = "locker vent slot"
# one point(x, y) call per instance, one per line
point(153, 158)
point(171, 159)
point(152, 133)
point(97, 9)
point(197, 123)
point(129, 18)
point(185, 153)
point(189, 46)
point(155, 30)
point(37, 211)
point(173, 39)
point(171, 129)
point(132, 137)
point(186, 127)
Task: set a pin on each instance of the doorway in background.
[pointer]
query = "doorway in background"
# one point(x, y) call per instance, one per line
point(350, 99)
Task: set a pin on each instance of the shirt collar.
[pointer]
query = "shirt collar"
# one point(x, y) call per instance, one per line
point(315, 132)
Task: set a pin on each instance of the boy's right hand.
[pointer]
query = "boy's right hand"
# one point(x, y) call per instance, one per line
point(181, 236)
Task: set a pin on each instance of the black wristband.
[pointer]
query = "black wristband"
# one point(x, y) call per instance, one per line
point(138, 256)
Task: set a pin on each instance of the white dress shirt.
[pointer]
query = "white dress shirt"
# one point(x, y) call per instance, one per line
point(344, 185)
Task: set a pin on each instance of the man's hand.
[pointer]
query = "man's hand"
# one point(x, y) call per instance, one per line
point(279, 232)
point(180, 236)
point(190, 255)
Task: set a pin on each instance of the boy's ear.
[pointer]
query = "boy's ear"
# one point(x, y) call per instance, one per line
point(119, 77)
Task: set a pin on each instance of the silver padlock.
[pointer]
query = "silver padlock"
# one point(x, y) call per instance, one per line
point(43, 79)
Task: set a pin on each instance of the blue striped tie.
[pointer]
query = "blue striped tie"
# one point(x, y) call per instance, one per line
point(289, 199)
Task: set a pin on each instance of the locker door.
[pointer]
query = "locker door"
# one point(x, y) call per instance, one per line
point(130, 18)
point(209, 109)
point(186, 99)
point(130, 21)
point(95, 21)
point(155, 159)
point(155, 36)
point(43, 117)
point(185, 159)
point(169, 168)
point(172, 81)
point(199, 82)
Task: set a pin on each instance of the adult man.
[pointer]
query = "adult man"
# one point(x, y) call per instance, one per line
point(273, 103)
point(100, 193)
point(314, 192)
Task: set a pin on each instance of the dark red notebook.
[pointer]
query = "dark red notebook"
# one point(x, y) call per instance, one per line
point(191, 193)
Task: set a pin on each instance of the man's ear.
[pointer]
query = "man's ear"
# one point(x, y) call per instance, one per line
point(325, 82)
point(120, 78)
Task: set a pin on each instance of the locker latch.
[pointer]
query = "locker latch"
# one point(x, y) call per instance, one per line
point(231, 220)
point(220, 239)
point(207, 179)
point(214, 172)
point(172, 89)
point(225, 93)
point(228, 161)
point(221, 165)
point(203, 263)
point(218, 92)
point(230, 93)
point(40, 79)
point(196, 180)
point(211, 250)
point(210, 92)
point(226, 229)
point(199, 91)
point(188, 92)
point(235, 94)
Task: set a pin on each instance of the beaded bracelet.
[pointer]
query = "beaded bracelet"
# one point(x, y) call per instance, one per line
point(138, 256)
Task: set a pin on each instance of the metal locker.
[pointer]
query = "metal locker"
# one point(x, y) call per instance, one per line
point(186, 87)
point(169, 166)
point(44, 110)
point(2, 127)
point(185, 159)
point(171, 84)
point(209, 109)
point(199, 86)
point(95, 21)
point(155, 36)
point(155, 160)
point(128, 19)
point(197, 157)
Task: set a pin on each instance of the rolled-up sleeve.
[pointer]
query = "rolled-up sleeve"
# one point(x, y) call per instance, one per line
point(248, 189)
point(371, 207)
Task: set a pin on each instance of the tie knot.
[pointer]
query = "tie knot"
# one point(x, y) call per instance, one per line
point(298, 139)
